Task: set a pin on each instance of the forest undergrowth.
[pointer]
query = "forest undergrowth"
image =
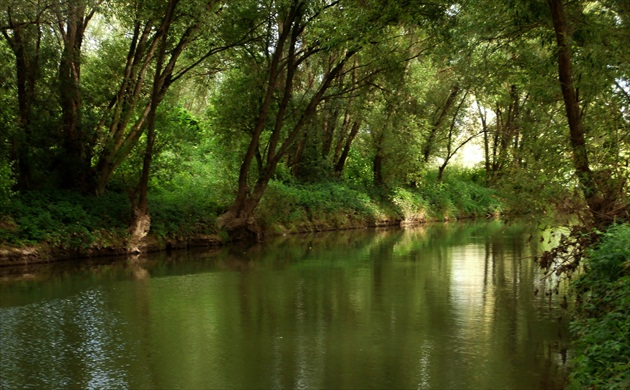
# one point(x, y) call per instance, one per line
point(601, 324)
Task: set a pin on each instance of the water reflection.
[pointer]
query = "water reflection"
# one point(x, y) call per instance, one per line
point(441, 306)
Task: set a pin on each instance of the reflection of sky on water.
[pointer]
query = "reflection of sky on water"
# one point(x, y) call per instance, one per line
point(77, 332)
point(424, 363)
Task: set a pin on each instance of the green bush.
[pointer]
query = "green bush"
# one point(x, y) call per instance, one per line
point(189, 202)
point(458, 195)
point(411, 205)
point(63, 218)
point(335, 204)
point(602, 322)
point(6, 183)
point(181, 213)
point(315, 206)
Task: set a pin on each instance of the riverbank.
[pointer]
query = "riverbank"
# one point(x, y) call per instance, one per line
point(48, 226)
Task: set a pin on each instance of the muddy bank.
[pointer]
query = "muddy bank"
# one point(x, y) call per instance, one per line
point(44, 253)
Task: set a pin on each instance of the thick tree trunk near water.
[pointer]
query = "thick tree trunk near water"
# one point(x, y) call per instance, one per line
point(138, 230)
point(239, 221)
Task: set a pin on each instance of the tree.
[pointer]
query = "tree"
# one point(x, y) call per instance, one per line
point(604, 195)
point(72, 20)
point(287, 47)
point(455, 131)
point(167, 57)
point(322, 150)
point(22, 30)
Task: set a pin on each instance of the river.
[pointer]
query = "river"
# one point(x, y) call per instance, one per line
point(430, 307)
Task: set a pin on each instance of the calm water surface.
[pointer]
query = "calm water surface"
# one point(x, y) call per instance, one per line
point(438, 306)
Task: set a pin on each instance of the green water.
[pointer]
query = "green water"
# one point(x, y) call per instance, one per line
point(439, 306)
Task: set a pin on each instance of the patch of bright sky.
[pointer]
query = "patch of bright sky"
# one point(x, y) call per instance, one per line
point(98, 30)
point(472, 154)
point(453, 10)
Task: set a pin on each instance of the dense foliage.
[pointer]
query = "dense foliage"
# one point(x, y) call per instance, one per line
point(602, 325)
point(127, 97)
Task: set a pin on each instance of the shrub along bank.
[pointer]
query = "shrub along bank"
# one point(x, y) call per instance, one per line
point(66, 224)
point(601, 326)
point(329, 206)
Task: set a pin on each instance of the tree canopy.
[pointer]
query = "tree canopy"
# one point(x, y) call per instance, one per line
point(128, 96)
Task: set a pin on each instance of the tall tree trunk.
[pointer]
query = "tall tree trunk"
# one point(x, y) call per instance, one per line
point(486, 142)
point(76, 159)
point(238, 217)
point(601, 205)
point(162, 81)
point(450, 148)
point(142, 220)
point(329, 127)
point(24, 40)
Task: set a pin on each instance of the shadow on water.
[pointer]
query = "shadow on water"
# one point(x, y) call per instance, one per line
point(434, 306)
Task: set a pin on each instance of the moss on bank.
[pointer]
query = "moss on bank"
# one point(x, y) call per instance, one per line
point(41, 226)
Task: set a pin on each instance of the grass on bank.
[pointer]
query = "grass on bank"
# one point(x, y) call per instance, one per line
point(338, 205)
point(601, 326)
point(64, 219)
point(73, 221)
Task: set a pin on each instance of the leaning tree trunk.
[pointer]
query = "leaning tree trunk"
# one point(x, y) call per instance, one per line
point(341, 161)
point(239, 221)
point(161, 82)
point(603, 198)
point(437, 123)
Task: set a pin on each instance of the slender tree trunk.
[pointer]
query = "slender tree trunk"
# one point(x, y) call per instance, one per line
point(161, 82)
point(377, 169)
point(238, 216)
point(125, 125)
point(377, 161)
point(441, 169)
point(295, 159)
point(343, 133)
point(349, 130)
point(329, 126)
point(486, 143)
point(437, 123)
point(450, 150)
point(346, 149)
